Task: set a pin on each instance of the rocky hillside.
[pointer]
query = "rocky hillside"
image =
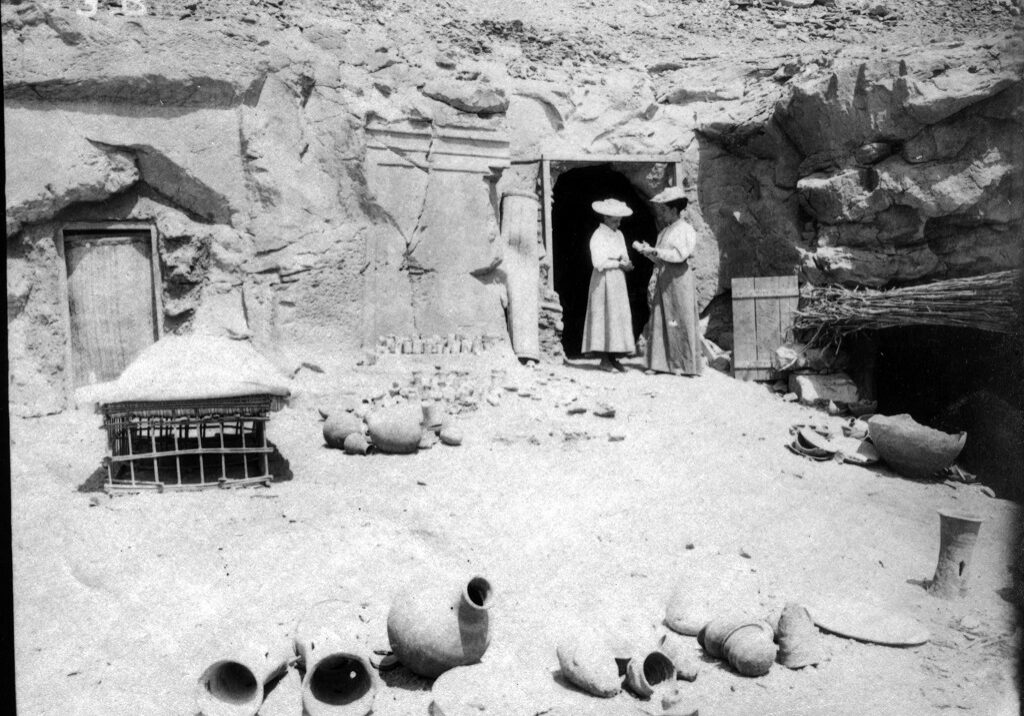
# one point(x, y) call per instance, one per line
point(290, 153)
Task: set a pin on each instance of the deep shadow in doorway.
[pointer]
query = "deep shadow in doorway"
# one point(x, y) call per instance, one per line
point(573, 222)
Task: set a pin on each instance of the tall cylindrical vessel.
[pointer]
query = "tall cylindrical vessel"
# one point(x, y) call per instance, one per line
point(958, 533)
point(435, 629)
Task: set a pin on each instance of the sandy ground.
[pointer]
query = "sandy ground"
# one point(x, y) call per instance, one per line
point(119, 605)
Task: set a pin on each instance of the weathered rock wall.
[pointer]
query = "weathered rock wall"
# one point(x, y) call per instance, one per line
point(878, 172)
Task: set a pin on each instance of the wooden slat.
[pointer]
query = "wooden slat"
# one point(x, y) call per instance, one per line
point(787, 305)
point(110, 294)
point(771, 292)
point(743, 328)
point(766, 313)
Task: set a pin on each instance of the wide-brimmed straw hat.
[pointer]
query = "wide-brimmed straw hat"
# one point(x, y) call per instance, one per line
point(611, 207)
point(668, 194)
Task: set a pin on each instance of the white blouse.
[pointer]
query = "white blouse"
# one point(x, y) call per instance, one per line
point(676, 242)
point(607, 248)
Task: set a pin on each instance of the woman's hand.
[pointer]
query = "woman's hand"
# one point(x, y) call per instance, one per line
point(625, 264)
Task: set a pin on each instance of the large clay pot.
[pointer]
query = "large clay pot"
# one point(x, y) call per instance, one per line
point(588, 663)
point(339, 426)
point(233, 685)
point(750, 648)
point(713, 634)
point(436, 629)
point(339, 679)
point(912, 449)
point(397, 430)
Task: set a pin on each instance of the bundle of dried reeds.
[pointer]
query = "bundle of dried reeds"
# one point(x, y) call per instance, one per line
point(990, 303)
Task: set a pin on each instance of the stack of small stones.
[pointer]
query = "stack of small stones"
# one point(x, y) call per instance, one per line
point(435, 345)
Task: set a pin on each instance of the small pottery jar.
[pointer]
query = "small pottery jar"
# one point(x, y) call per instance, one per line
point(799, 643)
point(436, 629)
point(647, 670)
point(356, 444)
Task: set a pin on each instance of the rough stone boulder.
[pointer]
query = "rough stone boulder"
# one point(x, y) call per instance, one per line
point(45, 176)
point(475, 97)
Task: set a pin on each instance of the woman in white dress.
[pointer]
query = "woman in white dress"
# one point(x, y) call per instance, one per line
point(608, 328)
point(673, 331)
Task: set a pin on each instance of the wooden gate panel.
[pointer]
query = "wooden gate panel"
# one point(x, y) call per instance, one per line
point(111, 304)
point(762, 316)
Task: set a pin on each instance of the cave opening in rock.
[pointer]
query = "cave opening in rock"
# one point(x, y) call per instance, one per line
point(573, 221)
point(955, 379)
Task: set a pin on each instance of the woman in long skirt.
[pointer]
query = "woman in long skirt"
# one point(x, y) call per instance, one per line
point(674, 330)
point(608, 328)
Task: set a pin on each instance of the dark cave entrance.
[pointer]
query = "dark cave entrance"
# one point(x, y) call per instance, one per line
point(573, 221)
point(954, 379)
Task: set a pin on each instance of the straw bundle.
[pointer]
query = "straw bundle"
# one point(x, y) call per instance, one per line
point(989, 303)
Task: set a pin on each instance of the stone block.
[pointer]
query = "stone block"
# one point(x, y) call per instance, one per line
point(820, 389)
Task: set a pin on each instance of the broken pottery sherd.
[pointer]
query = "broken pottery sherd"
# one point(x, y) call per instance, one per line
point(648, 669)
point(589, 664)
point(750, 649)
point(912, 449)
point(799, 641)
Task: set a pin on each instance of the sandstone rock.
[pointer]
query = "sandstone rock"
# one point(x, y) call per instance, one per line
point(820, 389)
point(473, 97)
point(848, 196)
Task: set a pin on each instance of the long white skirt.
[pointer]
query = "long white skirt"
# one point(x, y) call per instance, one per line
point(608, 327)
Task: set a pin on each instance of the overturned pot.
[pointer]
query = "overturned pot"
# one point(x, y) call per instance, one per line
point(646, 670)
point(339, 679)
point(436, 629)
point(233, 685)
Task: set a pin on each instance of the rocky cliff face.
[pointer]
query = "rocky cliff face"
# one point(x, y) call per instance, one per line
point(321, 176)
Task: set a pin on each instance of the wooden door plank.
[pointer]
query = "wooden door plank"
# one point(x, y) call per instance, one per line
point(110, 298)
point(766, 318)
point(744, 334)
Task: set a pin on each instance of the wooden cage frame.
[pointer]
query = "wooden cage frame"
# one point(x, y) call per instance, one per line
point(150, 439)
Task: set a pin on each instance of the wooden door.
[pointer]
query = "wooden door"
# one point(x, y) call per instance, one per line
point(762, 320)
point(111, 301)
